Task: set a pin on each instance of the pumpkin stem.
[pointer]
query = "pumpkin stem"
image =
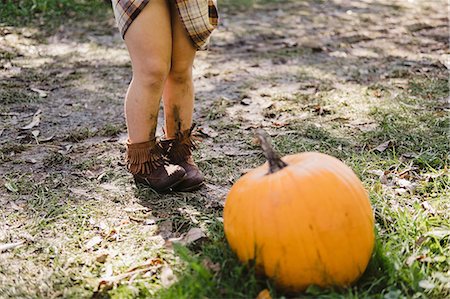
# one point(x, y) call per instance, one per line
point(275, 162)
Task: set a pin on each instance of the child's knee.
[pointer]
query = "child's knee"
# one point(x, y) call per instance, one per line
point(151, 73)
point(181, 74)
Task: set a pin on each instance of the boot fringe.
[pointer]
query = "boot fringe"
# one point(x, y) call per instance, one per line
point(143, 158)
point(181, 148)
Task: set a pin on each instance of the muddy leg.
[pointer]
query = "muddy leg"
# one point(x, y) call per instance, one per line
point(178, 93)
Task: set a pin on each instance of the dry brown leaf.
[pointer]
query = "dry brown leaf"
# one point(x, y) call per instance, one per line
point(46, 139)
point(93, 241)
point(426, 284)
point(192, 235)
point(208, 264)
point(31, 160)
point(264, 294)
point(410, 260)
point(101, 257)
point(406, 184)
point(382, 175)
point(156, 262)
point(35, 133)
point(108, 280)
point(427, 207)
point(207, 131)
point(406, 173)
point(165, 229)
point(376, 172)
point(34, 122)
point(167, 277)
point(382, 147)
point(41, 93)
point(246, 101)
point(438, 233)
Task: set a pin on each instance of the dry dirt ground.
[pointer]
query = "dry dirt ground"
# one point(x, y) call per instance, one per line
point(69, 209)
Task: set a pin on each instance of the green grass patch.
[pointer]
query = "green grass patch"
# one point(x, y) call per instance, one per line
point(48, 14)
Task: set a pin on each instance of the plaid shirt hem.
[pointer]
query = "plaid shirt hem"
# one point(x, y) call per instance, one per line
point(199, 17)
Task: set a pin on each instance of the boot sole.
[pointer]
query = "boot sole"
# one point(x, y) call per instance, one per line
point(190, 188)
point(165, 190)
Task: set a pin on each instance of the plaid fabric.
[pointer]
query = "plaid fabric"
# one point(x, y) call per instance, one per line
point(199, 17)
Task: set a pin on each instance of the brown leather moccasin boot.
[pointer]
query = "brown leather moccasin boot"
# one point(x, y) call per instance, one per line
point(148, 166)
point(179, 152)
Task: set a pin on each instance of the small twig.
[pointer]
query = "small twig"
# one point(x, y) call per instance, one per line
point(4, 247)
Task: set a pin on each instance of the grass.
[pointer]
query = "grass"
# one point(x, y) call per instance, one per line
point(48, 14)
point(411, 258)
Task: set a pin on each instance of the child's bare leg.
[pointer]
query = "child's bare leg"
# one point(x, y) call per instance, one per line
point(179, 105)
point(178, 93)
point(149, 42)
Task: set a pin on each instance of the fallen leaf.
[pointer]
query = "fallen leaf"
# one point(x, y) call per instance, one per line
point(426, 284)
point(107, 281)
point(410, 260)
point(279, 124)
point(246, 101)
point(34, 122)
point(438, 233)
point(46, 139)
point(376, 172)
point(42, 93)
point(155, 263)
point(207, 131)
point(427, 207)
point(320, 110)
point(406, 173)
point(108, 270)
point(31, 161)
point(340, 119)
point(113, 235)
point(94, 241)
point(405, 184)
point(167, 277)
point(151, 220)
point(208, 264)
point(418, 26)
point(400, 191)
point(101, 257)
point(192, 235)
point(406, 156)
point(382, 175)
point(63, 115)
point(264, 294)
point(7, 246)
point(67, 149)
point(443, 277)
point(382, 147)
point(165, 229)
point(131, 210)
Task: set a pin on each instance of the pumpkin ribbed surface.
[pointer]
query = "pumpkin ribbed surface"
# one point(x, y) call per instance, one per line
point(309, 223)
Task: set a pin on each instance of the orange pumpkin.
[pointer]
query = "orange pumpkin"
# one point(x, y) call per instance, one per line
point(304, 219)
